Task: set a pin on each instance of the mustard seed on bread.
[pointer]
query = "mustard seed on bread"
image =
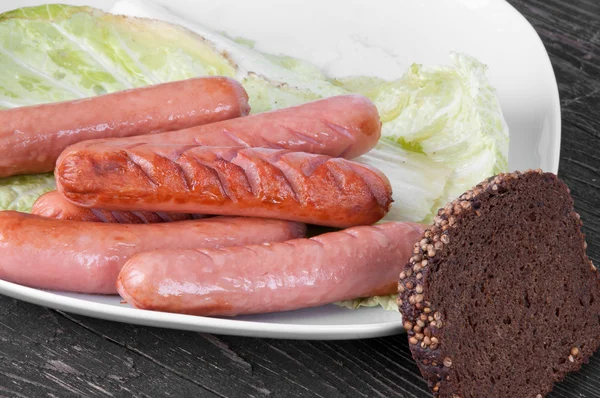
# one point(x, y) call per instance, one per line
point(499, 298)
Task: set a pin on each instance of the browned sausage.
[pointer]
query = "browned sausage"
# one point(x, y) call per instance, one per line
point(358, 262)
point(32, 137)
point(259, 182)
point(86, 257)
point(52, 204)
point(343, 126)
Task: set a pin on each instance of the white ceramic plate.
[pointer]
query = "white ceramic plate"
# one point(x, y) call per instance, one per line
point(380, 38)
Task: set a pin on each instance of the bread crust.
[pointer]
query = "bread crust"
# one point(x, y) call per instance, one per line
point(425, 322)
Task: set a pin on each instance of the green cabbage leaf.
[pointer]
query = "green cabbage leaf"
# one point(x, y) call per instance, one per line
point(443, 130)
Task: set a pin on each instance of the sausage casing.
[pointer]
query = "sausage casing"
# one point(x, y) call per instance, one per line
point(342, 126)
point(32, 137)
point(257, 182)
point(357, 262)
point(52, 204)
point(86, 257)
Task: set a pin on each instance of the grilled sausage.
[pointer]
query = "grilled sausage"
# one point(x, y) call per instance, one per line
point(357, 262)
point(52, 204)
point(86, 257)
point(343, 126)
point(32, 137)
point(259, 182)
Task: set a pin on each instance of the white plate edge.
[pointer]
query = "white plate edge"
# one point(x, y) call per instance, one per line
point(250, 328)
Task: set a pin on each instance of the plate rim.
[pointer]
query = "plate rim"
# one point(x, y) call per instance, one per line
point(239, 327)
point(196, 323)
point(555, 103)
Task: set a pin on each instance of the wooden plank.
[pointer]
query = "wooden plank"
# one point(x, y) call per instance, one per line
point(48, 353)
point(42, 353)
point(571, 33)
point(236, 365)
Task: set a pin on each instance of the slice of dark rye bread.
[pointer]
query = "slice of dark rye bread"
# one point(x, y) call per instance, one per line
point(499, 298)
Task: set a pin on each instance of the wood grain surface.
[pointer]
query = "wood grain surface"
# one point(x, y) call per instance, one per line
point(47, 353)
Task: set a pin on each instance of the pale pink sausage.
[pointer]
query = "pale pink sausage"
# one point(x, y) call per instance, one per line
point(32, 137)
point(86, 257)
point(343, 126)
point(357, 262)
point(52, 204)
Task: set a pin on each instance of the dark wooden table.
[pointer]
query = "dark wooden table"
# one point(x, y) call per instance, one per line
point(54, 354)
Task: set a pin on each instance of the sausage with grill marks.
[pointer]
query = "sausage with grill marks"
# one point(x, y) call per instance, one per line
point(52, 204)
point(259, 182)
point(86, 257)
point(32, 137)
point(357, 262)
point(343, 126)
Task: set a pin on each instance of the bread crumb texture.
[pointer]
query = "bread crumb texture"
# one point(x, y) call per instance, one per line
point(499, 298)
